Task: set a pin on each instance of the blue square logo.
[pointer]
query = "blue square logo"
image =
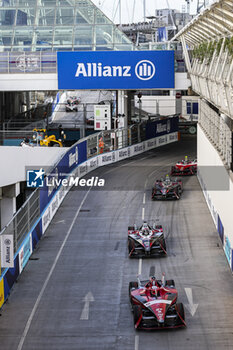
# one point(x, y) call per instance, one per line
point(35, 178)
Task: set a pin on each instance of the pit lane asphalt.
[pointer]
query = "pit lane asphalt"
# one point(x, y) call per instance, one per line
point(94, 259)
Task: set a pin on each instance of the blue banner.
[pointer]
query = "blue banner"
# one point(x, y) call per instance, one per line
point(162, 127)
point(116, 70)
point(162, 34)
point(75, 156)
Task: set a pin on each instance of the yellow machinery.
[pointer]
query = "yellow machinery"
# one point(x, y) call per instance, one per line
point(40, 137)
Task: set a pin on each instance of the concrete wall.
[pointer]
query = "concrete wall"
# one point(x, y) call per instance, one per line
point(14, 160)
point(218, 189)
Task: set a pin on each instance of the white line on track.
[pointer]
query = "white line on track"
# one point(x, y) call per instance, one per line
point(29, 321)
point(144, 199)
point(139, 267)
point(143, 213)
point(136, 342)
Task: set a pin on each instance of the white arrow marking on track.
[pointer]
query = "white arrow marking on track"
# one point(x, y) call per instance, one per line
point(88, 299)
point(190, 306)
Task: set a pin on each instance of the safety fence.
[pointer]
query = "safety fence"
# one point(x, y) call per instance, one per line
point(31, 221)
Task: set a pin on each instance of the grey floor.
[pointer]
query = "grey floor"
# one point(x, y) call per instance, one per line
point(45, 310)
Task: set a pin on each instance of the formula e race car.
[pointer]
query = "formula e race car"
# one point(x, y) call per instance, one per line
point(146, 241)
point(154, 304)
point(72, 104)
point(185, 167)
point(167, 189)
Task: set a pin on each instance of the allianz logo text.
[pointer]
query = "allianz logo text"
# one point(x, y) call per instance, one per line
point(144, 70)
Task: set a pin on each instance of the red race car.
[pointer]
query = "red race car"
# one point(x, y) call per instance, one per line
point(185, 167)
point(167, 188)
point(146, 241)
point(154, 304)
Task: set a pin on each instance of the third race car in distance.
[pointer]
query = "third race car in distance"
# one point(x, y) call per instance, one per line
point(146, 241)
point(167, 188)
point(184, 167)
point(154, 304)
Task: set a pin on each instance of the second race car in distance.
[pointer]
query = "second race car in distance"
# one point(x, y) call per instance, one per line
point(185, 167)
point(146, 241)
point(167, 188)
point(72, 104)
point(154, 304)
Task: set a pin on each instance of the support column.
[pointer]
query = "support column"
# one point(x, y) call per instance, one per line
point(8, 203)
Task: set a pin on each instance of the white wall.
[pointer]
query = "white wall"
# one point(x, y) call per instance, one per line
point(49, 81)
point(220, 201)
point(28, 82)
point(164, 105)
point(15, 159)
point(181, 81)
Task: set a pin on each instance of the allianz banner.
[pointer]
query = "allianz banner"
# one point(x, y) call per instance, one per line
point(116, 70)
point(162, 127)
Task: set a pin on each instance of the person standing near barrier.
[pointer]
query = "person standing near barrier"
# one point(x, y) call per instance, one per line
point(101, 145)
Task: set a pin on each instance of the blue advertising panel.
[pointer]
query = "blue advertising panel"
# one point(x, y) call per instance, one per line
point(162, 127)
point(116, 70)
point(75, 156)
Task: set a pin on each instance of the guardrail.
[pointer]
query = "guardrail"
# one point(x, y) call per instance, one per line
point(32, 220)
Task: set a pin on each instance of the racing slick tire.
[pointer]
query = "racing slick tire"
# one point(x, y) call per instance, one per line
point(180, 312)
point(137, 315)
point(163, 243)
point(193, 170)
point(173, 170)
point(132, 285)
point(130, 246)
point(170, 283)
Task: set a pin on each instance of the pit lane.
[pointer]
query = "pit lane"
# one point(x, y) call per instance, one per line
point(94, 261)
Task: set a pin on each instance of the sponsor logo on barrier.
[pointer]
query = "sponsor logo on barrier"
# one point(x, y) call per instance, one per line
point(107, 158)
point(82, 169)
point(7, 251)
point(164, 127)
point(94, 163)
point(73, 157)
point(138, 148)
point(35, 178)
point(123, 154)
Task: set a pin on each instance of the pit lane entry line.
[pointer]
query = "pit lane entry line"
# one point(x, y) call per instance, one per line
point(29, 321)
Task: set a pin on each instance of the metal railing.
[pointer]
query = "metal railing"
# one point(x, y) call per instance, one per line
point(23, 221)
point(16, 137)
point(28, 62)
